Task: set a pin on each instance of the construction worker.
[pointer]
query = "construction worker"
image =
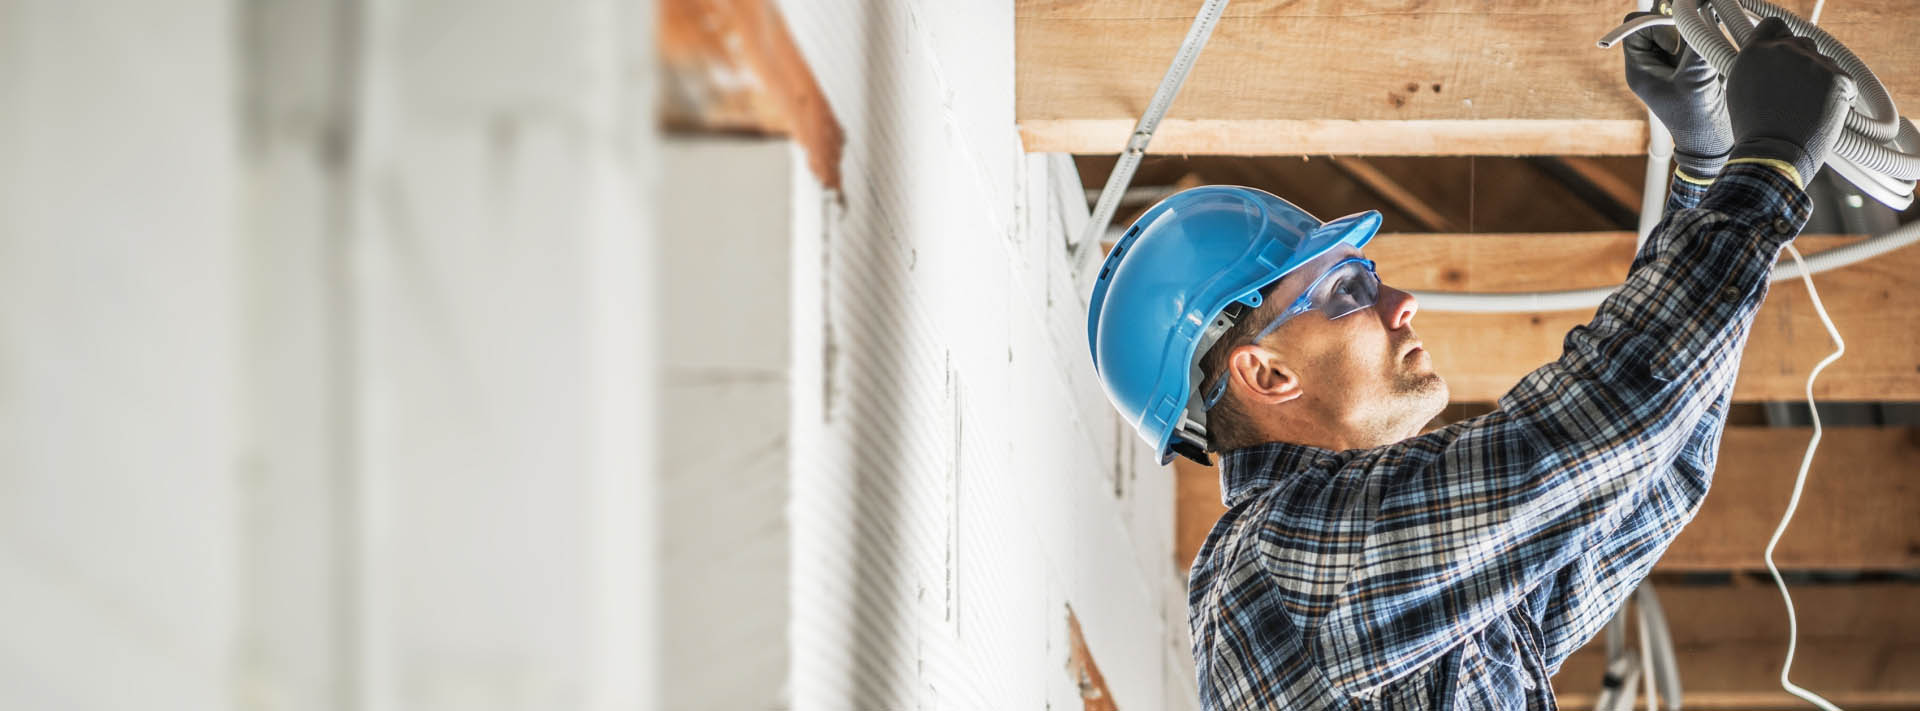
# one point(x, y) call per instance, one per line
point(1361, 564)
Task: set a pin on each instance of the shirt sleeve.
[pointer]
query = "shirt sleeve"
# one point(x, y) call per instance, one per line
point(1578, 600)
point(1582, 462)
point(1682, 194)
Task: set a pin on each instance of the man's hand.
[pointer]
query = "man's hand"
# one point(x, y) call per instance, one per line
point(1788, 101)
point(1681, 89)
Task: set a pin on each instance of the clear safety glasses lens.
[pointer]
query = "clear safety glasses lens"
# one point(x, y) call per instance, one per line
point(1349, 286)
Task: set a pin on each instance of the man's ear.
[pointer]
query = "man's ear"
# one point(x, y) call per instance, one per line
point(1261, 376)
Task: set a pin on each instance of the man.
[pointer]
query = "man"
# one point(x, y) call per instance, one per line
point(1361, 564)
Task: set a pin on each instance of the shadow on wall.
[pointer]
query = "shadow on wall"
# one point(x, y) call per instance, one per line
point(871, 397)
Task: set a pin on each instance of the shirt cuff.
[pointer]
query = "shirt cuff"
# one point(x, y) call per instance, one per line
point(1684, 177)
point(1777, 164)
point(1760, 198)
point(1683, 192)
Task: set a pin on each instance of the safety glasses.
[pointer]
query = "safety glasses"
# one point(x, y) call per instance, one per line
point(1346, 287)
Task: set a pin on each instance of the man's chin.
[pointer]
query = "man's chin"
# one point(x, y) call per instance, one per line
point(1427, 392)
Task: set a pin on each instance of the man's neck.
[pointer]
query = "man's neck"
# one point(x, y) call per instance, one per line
point(1337, 439)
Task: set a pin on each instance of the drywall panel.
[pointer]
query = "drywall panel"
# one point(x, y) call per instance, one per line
point(503, 296)
point(959, 479)
point(728, 219)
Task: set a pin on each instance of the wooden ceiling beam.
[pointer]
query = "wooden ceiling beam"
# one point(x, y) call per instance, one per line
point(1620, 191)
point(1395, 194)
point(1857, 512)
point(1282, 137)
point(1446, 77)
point(730, 66)
point(1857, 647)
point(1483, 355)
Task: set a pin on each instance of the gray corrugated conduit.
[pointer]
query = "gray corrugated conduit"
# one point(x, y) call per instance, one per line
point(1879, 152)
point(1877, 140)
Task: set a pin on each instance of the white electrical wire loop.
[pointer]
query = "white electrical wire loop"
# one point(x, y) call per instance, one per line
point(1806, 463)
point(1799, 483)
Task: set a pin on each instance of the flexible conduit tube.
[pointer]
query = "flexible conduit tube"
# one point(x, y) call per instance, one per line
point(1666, 666)
point(1473, 302)
point(1622, 670)
point(1873, 121)
point(1653, 194)
point(1879, 119)
point(1659, 160)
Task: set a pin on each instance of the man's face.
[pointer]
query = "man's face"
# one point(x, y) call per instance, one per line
point(1368, 367)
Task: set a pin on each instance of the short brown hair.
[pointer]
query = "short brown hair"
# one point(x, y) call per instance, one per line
point(1229, 425)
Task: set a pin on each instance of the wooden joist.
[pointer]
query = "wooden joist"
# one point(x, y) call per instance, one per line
point(1278, 137)
point(1857, 511)
point(1447, 77)
point(1482, 355)
point(730, 66)
point(1859, 647)
point(1364, 172)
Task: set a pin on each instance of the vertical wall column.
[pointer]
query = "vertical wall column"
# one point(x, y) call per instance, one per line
point(504, 295)
point(729, 219)
point(118, 321)
point(453, 317)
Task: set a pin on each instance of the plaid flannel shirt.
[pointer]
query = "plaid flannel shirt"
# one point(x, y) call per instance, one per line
point(1459, 568)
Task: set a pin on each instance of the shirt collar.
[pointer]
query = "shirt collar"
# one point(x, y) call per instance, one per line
point(1247, 471)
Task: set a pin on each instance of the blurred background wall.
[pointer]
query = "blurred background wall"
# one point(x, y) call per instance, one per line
point(384, 354)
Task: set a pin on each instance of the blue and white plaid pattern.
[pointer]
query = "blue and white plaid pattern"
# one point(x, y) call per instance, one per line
point(1459, 568)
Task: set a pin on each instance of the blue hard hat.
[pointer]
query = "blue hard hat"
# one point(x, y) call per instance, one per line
point(1165, 286)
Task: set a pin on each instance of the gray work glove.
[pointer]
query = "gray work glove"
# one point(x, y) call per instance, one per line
point(1678, 85)
point(1788, 101)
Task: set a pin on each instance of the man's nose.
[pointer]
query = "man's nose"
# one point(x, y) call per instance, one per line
point(1397, 307)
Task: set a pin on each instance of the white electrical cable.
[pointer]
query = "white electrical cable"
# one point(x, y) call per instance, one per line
point(1806, 462)
point(1800, 482)
point(1653, 187)
point(1646, 658)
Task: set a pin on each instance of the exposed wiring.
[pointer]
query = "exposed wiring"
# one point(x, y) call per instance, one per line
point(1800, 482)
point(1806, 463)
point(1646, 660)
point(1877, 151)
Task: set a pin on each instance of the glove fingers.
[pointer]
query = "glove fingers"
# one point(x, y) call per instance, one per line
point(1848, 90)
point(1692, 62)
point(1664, 40)
point(1770, 28)
point(1667, 37)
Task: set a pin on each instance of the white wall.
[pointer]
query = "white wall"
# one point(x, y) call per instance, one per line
point(959, 478)
point(341, 368)
point(118, 332)
point(452, 215)
point(728, 218)
point(327, 356)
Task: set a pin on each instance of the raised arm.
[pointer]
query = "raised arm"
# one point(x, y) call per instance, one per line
point(1452, 529)
point(1404, 551)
